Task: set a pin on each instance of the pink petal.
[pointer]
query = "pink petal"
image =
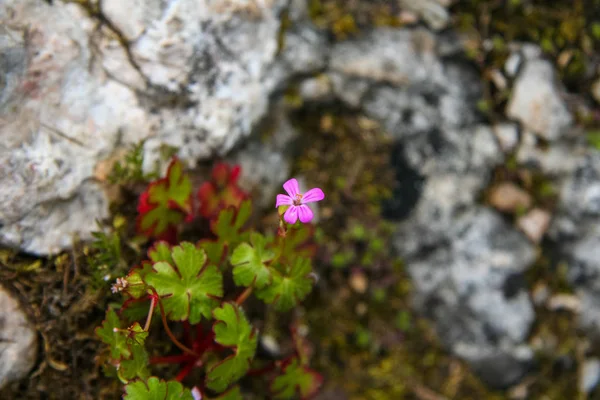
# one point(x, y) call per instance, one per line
point(283, 200)
point(291, 187)
point(315, 194)
point(305, 214)
point(291, 215)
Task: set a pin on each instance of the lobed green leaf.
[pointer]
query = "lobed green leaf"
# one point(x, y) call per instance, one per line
point(297, 380)
point(155, 389)
point(288, 289)
point(233, 330)
point(190, 288)
point(249, 262)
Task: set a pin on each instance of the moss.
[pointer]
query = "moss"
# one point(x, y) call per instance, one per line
point(347, 18)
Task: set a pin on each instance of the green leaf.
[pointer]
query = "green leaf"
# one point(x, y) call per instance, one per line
point(232, 394)
point(287, 290)
point(233, 330)
point(249, 262)
point(228, 225)
point(112, 334)
point(136, 286)
point(297, 380)
point(177, 188)
point(136, 366)
point(190, 289)
point(160, 251)
point(155, 389)
point(228, 229)
point(593, 138)
point(214, 250)
point(298, 242)
point(167, 200)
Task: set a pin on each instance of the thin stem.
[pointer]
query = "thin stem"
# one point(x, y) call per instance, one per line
point(186, 333)
point(261, 371)
point(185, 371)
point(169, 333)
point(244, 295)
point(150, 313)
point(178, 359)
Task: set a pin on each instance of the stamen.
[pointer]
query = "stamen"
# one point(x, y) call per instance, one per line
point(298, 199)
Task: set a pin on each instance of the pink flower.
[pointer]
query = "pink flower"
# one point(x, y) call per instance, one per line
point(297, 202)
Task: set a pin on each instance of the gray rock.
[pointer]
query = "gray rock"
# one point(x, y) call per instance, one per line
point(466, 263)
point(537, 101)
point(399, 78)
point(18, 341)
point(195, 76)
point(558, 160)
point(590, 375)
point(266, 163)
point(507, 135)
point(473, 288)
point(575, 230)
point(432, 12)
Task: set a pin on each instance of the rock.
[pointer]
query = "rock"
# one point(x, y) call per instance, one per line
point(18, 347)
point(507, 135)
point(508, 197)
point(540, 293)
point(512, 64)
point(477, 299)
point(558, 160)
point(534, 224)
point(433, 12)
point(565, 302)
point(590, 375)
point(466, 263)
point(194, 76)
point(358, 281)
point(537, 101)
point(596, 90)
point(575, 231)
point(266, 164)
point(401, 78)
point(316, 89)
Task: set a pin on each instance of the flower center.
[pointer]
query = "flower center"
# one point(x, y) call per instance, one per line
point(298, 199)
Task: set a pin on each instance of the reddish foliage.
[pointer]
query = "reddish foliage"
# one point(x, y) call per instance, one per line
point(221, 191)
point(164, 204)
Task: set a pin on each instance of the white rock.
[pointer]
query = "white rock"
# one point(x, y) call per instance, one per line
point(537, 101)
point(590, 375)
point(512, 64)
point(507, 135)
point(198, 77)
point(18, 344)
point(534, 224)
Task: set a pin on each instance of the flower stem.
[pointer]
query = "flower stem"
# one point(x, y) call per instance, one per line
point(261, 371)
point(244, 295)
point(185, 371)
point(150, 312)
point(178, 359)
point(169, 333)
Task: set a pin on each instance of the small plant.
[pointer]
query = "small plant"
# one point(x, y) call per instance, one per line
point(203, 288)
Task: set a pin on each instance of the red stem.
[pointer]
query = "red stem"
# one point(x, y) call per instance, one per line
point(186, 334)
point(185, 371)
point(178, 359)
point(261, 371)
point(169, 333)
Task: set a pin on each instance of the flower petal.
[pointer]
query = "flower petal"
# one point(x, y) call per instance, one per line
point(291, 215)
point(305, 214)
point(291, 187)
point(315, 194)
point(283, 200)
